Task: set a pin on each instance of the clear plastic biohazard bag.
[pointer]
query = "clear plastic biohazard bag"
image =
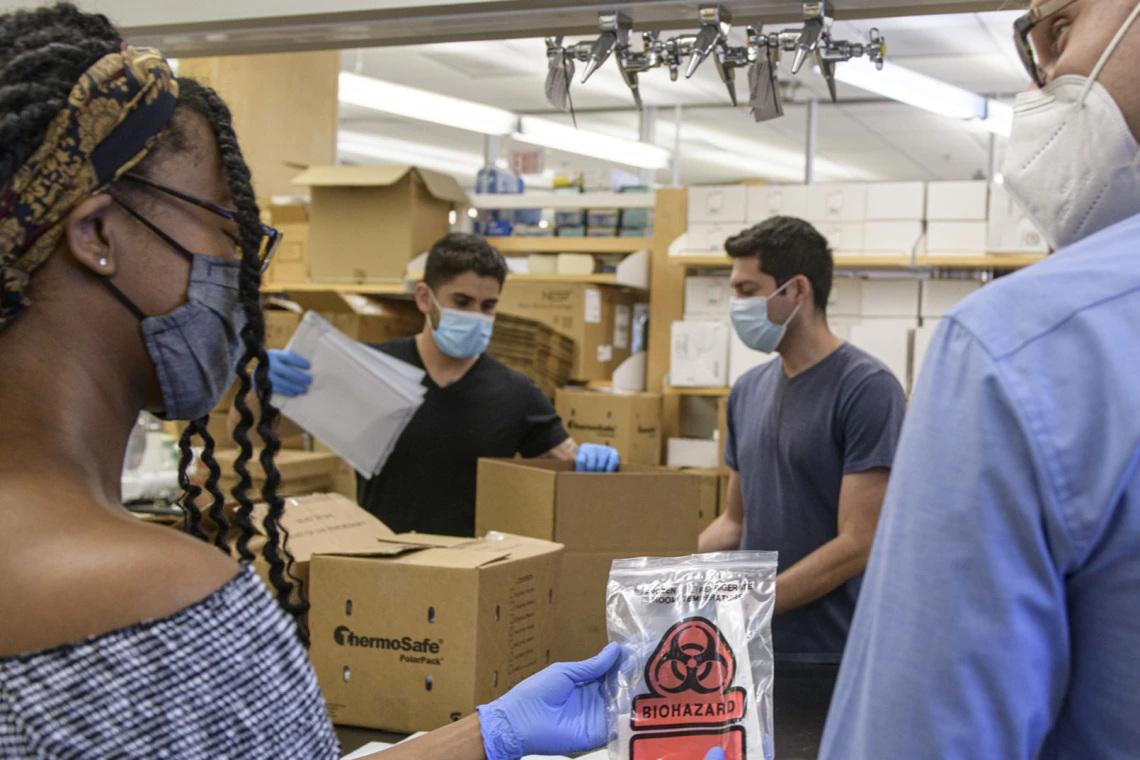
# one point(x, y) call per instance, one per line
point(696, 665)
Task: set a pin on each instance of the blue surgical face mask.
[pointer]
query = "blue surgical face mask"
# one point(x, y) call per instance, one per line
point(462, 334)
point(750, 318)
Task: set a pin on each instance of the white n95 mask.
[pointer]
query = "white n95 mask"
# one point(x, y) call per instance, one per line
point(1072, 161)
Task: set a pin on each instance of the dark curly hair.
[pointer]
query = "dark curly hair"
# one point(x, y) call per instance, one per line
point(786, 247)
point(459, 253)
point(43, 52)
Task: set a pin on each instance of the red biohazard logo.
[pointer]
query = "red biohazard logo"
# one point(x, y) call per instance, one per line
point(690, 680)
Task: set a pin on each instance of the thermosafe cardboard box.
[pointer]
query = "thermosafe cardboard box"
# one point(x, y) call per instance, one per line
point(412, 632)
point(367, 222)
point(630, 422)
point(636, 512)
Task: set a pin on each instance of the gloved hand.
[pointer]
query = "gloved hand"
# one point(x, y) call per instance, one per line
point(556, 712)
point(286, 373)
point(593, 457)
point(716, 753)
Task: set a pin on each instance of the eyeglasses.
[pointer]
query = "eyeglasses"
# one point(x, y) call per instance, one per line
point(1023, 27)
point(270, 240)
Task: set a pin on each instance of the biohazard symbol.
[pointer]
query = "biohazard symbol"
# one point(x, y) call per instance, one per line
point(693, 656)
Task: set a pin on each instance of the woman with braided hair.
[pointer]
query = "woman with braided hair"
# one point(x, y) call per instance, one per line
point(131, 253)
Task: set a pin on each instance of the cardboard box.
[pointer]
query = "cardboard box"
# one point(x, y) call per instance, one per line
point(630, 422)
point(710, 238)
point(844, 238)
point(700, 453)
point(699, 355)
point(940, 296)
point(416, 632)
point(1010, 230)
point(364, 319)
point(534, 349)
point(890, 298)
point(956, 238)
point(890, 343)
point(956, 201)
point(896, 201)
point(741, 358)
point(840, 202)
point(584, 313)
point(894, 239)
point(281, 320)
point(367, 222)
point(721, 432)
point(707, 297)
point(291, 262)
point(845, 298)
point(766, 201)
point(216, 427)
point(725, 203)
point(710, 495)
point(638, 511)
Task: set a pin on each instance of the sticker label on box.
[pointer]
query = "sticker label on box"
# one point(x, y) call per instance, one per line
point(593, 306)
point(605, 353)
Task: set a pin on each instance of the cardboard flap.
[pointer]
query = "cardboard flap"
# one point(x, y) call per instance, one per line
point(288, 214)
point(326, 524)
point(457, 559)
point(352, 176)
point(283, 304)
point(443, 186)
point(319, 300)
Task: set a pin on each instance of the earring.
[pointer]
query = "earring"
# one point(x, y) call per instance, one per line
point(102, 262)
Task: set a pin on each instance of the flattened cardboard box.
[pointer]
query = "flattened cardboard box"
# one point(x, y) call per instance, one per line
point(584, 313)
point(630, 422)
point(418, 632)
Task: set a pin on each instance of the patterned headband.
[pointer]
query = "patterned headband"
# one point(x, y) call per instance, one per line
point(112, 118)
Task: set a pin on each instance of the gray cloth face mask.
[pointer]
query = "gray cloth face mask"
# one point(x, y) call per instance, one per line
point(196, 348)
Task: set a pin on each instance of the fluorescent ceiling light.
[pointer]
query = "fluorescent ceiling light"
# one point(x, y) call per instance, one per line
point(536, 131)
point(390, 150)
point(910, 87)
point(412, 103)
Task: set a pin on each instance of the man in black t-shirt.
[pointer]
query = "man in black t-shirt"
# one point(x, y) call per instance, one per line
point(475, 407)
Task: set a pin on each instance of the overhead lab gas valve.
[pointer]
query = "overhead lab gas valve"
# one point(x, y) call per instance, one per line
point(761, 52)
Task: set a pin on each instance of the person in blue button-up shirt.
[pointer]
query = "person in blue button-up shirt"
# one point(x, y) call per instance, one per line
point(1000, 611)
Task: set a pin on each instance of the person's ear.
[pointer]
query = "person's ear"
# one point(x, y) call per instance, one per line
point(87, 238)
point(422, 295)
point(803, 290)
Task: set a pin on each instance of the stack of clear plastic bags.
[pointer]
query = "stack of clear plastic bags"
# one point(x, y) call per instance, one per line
point(696, 667)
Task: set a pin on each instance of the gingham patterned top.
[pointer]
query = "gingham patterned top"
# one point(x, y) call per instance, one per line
point(223, 678)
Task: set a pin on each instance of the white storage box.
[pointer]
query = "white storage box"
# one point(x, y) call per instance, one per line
point(710, 237)
point(893, 239)
point(890, 298)
point(766, 201)
point(940, 296)
point(845, 202)
point(845, 298)
point(844, 238)
point(541, 263)
point(741, 358)
point(1010, 230)
point(707, 297)
point(841, 326)
point(576, 263)
point(693, 452)
point(956, 201)
point(723, 203)
point(699, 356)
point(890, 343)
point(956, 238)
point(896, 201)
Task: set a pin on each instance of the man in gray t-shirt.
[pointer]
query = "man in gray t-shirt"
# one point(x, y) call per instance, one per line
point(811, 438)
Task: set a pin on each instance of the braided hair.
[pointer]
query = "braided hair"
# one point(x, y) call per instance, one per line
point(43, 53)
